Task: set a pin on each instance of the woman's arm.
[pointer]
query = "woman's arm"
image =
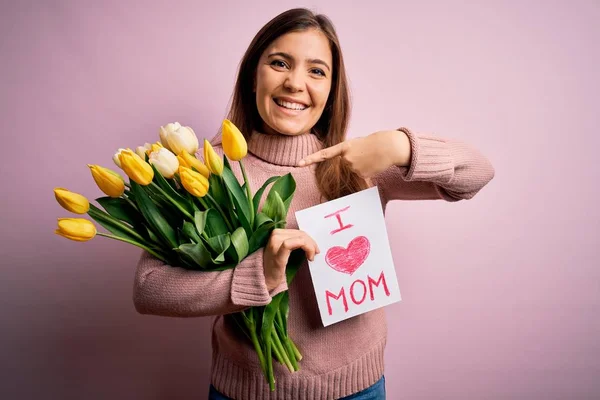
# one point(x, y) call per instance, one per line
point(433, 168)
point(161, 289)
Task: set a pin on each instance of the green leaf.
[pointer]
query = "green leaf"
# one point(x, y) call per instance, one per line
point(200, 220)
point(219, 244)
point(285, 186)
point(295, 261)
point(215, 224)
point(239, 249)
point(152, 214)
point(239, 199)
point(121, 209)
point(115, 226)
point(260, 237)
point(261, 218)
point(189, 231)
point(274, 208)
point(197, 253)
point(259, 193)
point(216, 189)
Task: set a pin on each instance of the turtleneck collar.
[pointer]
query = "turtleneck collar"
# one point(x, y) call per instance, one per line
point(283, 149)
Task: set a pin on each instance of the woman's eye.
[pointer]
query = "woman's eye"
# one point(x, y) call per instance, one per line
point(278, 63)
point(319, 71)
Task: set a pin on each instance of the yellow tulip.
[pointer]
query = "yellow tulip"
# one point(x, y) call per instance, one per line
point(71, 201)
point(194, 182)
point(234, 143)
point(77, 229)
point(189, 161)
point(108, 181)
point(212, 159)
point(154, 147)
point(136, 169)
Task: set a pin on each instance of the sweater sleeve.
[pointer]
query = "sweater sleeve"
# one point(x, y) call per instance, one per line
point(439, 169)
point(161, 289)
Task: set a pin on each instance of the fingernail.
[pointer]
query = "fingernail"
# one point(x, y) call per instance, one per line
point(301, 163)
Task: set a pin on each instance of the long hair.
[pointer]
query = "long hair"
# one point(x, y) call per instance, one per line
point(334, 177)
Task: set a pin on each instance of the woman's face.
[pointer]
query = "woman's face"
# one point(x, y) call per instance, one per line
point(293, 80)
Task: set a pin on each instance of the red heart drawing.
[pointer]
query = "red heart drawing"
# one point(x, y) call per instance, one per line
point(348, 260)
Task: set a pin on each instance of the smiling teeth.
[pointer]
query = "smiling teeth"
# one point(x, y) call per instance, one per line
point(291, 106)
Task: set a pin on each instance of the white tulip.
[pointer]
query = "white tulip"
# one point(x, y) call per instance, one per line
point(178, 138)
point(141, 150)
point(165, 162)
point(116, 157)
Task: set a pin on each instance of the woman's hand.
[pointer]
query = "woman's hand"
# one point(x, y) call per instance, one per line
point(278, 249)
point(370, 155)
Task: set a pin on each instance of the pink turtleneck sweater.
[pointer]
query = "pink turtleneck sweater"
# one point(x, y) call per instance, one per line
point(331, 367)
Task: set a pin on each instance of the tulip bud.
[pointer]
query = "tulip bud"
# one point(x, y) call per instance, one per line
point(116, 158)
point(143, 150)
point(189, 161)
point(108, 181)
point(212, 159)
point(194, 182)
point(165, 162)
point(234, 143)
point(178, 138)
point(71, 201)
point(136, 169)
point(77, 229)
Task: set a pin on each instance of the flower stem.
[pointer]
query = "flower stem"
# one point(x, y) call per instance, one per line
point(284, 355)
point(133, 243)
point(248, 193)
point(183, 210)
point(254, 338)
point(296, 351)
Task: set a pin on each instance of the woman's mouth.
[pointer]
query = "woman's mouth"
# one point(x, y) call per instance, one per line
point(288, 105)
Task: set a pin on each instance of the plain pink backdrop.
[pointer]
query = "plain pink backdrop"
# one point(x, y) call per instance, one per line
point(500, 293)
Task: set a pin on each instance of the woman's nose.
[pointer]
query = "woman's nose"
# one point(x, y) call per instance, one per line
point(294, 82)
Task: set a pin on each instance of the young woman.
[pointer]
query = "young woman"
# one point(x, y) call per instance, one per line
point(291, 101)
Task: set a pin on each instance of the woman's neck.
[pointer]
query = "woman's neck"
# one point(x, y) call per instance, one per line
point(280, 149)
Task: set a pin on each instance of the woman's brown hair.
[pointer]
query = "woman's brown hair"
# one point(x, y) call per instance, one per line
point(334, 177)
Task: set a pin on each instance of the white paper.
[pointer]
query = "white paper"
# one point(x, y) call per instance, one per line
point(354, 273)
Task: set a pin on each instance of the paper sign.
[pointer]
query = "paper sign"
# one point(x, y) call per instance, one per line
point(354, 273)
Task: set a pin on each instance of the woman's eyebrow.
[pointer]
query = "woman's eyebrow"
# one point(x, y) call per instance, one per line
point(309, 60)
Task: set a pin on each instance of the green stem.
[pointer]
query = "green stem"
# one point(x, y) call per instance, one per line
point(277, 343)
point(131, 202)
point(252, 331)
point(203, 203)
point(183, 210)
point(278, 355)
point(220, 210)
point(296, 351)
point(133, 243)
point(249, 193)
point(285, 340)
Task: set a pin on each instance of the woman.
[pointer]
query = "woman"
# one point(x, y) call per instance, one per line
point(291, 101)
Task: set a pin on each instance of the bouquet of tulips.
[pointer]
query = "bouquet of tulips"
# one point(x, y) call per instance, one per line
point(194, 214)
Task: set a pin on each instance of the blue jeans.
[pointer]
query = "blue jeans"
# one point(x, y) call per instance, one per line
point(373, 392)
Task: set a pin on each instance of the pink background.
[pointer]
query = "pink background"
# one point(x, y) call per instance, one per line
point(500, 293)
